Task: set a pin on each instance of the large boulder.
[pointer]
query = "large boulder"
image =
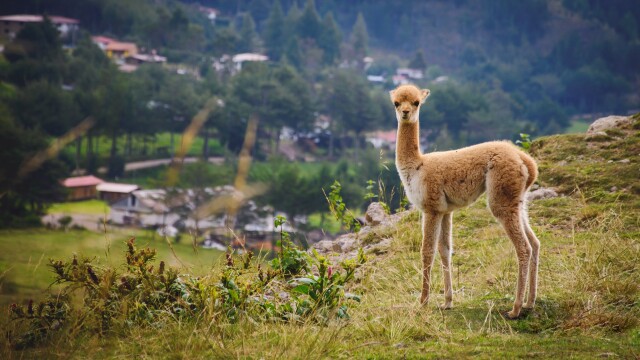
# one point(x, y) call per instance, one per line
point(607, 123)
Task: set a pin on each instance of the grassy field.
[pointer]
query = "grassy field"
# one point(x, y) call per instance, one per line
point(93, 207)
point(24, 255)
point(588, 304)
point(157, 146)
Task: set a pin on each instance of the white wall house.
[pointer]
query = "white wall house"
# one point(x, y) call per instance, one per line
point(143, 208)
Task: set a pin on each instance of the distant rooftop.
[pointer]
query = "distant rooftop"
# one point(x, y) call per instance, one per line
point(39, 18)
point(117, 188)
point(78, 181)
point(249, 57)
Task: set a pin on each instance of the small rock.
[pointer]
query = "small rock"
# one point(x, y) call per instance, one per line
point(609, 122)
point(562, 163)
point(542, 193)
point(375, 214)
point(348, 243)
point(625, 161)
point(613, 189)
point(379, 248)
point(325, 246)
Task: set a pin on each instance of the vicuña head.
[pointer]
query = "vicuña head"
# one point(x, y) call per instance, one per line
point(407, 100)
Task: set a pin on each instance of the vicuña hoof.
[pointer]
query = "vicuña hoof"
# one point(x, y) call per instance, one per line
point(446, 306)
point(510, 315)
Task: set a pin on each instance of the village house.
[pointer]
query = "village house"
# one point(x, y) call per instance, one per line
point(144, 208)
point(10, 25)
point(405, 75)
point(126, 54)
point(239, 59)
point(383, 139)
point(81, 187)
point(114, 49)
point(139, 59)
point(211, 13)
point(113, 192)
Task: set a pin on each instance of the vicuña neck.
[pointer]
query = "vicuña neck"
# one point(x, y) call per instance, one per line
point(408, 142)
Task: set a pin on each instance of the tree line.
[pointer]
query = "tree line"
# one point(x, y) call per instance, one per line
point(495, 68)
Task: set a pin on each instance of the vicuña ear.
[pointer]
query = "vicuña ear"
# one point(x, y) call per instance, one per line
point(425, 94)
point(391, 94)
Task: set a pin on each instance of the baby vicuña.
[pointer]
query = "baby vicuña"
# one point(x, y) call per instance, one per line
point(438, 183)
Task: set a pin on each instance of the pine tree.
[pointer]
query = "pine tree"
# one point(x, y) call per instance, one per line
point(330, 39)
point(248, 36)
point(418, 61)
point(360, 40)
point(275, 34)
point(309, 24)
point(291, 22)
point(293, 54)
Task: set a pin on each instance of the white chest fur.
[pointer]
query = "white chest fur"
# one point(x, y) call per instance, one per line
point(414, 185)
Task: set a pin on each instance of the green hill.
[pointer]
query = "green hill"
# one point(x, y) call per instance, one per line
point(589, 299)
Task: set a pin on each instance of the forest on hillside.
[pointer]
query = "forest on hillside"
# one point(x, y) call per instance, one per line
point(496, 68)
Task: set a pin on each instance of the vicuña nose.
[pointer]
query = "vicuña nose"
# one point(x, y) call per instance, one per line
point(405, 112)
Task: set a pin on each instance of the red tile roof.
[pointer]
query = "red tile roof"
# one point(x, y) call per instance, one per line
point(103, 39)
point(82, 181)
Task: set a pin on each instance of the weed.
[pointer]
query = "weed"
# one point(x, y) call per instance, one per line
point(291, 261)
point(339, 209)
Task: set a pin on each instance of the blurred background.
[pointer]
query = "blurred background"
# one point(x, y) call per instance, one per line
point(134, 114)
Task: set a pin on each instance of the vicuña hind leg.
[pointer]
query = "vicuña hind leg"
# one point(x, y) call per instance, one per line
point(533, 264)
point(430, 232)
point(444, 247)
point(513, 226)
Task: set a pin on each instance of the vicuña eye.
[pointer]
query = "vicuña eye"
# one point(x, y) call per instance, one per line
point(416, 103)
point(396, 104)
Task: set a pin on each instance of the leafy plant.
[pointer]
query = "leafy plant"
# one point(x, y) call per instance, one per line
point(291, 261)
point(525, 141)
point(369, 195)
point(325, 289)
point(339, 209)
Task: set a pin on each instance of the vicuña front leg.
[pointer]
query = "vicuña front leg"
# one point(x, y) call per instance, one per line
point(444, 247)
point(431, 223)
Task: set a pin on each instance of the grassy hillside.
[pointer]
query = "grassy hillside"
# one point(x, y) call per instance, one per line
point(589, 298)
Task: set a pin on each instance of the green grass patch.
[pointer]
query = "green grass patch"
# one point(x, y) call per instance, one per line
point(577, 127)
point(24, 255)
point(93, 207)
point(330, 225)
point(156, 146)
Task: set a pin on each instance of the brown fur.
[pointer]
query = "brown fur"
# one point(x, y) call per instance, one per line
point(440, 182)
